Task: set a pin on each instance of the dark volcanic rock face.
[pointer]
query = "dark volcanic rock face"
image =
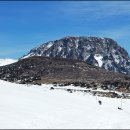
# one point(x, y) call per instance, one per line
point(102, 52)
point(58, 70)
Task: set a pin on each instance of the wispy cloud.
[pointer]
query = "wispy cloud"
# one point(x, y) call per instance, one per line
point(97, 9)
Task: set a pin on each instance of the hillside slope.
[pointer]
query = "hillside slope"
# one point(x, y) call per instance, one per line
point(39, 70)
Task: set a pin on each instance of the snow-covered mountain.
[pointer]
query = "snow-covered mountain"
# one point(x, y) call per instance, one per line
point(102, 52)
point(38, 107)
point(6, 61)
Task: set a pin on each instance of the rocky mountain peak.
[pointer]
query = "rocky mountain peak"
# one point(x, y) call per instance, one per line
point(102, 52)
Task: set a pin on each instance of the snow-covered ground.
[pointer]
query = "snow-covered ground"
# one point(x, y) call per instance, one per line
point(6, 61)
point(23, 106)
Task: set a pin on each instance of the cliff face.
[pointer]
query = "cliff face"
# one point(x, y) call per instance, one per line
point(102, 52)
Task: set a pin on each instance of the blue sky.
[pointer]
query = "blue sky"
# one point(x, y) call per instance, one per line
point(27, 24)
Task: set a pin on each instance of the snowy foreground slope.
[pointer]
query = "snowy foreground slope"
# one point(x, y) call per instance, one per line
point(39, 107)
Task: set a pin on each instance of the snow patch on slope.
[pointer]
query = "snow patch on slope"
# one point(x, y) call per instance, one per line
point(99, 59)
point(27, 56)
point(59, 49)
point(49, 44)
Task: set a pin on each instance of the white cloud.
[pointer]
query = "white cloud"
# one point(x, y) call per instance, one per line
point(96, 9)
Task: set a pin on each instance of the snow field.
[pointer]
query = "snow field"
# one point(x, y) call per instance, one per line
point(39, 107)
